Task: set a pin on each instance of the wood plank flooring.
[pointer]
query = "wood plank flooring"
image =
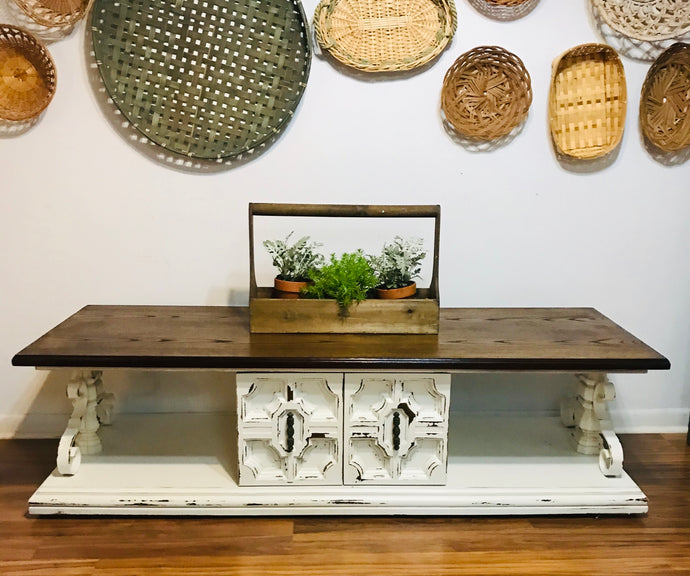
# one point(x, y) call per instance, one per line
point(652, 545)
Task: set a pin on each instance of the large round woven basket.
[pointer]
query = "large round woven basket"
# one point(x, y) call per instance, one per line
point(384, 35)
point(665, 100)
point(647, 20)
point(27, 75)
point(486, 93)
point(54, 12)
point(587, 101)
point(208, 79)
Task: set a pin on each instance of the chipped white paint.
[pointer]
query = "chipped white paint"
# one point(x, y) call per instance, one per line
point(396, 428)
point(184, 464)
point(289, 428)
point(588, 415)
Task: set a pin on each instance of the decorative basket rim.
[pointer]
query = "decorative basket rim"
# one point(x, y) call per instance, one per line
point(507, 2)
point(627, 17)
point(495, 112)
point(615, 96)
point(219, 91)
point(32, 63)
point(326, 32)
point(669, 129)
point(45, 14)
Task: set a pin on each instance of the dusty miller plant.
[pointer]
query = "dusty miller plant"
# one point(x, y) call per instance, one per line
point(294, 261)
point(399, 262)
point(347, 279)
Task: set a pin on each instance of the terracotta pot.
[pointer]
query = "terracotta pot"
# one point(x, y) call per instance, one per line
point(288, 288)
point(395, 293)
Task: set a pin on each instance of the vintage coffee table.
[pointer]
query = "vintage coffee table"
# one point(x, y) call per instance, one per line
point(339, 424)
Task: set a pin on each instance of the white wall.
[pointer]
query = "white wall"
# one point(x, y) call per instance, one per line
point(90, 216)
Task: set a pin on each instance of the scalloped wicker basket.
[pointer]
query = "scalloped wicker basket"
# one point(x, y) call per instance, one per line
point(588, 101)
point(54, 12)
point(646, 20)
point(486, 93)
point(27, 75)
point(665, 100)
point(384, 35)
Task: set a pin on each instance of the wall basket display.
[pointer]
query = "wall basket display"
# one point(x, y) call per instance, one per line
point(386, 36)
point(486, 93)
point(54, 12)
point(587, 101)
point(205, 79)
point(504, 9)
point(273, 315)
point(649, 20)
point(665, 100)
point(27, 75)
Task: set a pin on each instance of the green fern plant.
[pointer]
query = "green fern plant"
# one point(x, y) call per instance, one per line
point(294, 261)
point(347, 280)
point(399, 262)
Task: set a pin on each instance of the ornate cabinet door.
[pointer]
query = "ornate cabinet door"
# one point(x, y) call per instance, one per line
point(396, 428)
point(289, 428)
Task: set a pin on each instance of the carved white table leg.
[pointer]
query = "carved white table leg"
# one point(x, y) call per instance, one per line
point(593, 430)
point(90, 403)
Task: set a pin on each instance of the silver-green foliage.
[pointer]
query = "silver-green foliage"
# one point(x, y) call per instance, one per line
point(294, 261)
point(399, 262)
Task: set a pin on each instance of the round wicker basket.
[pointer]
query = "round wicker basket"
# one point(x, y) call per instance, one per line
point(54, 12)
point(206, 79)
point(486, 93)
point(648, 20)
point(665, 100)
point(587, 101)
point(504, 9)
point(27, 75)
point(384, 35)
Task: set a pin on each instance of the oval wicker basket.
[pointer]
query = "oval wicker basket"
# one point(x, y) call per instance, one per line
point(384, 35)
point(54, 12)
point(665, 100)
point(27, 75)
point(486, 93)
point(587, 101)
point(646, 20)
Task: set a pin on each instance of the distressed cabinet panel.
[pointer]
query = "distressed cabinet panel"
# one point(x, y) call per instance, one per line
point(396, 428)
point(290, 428)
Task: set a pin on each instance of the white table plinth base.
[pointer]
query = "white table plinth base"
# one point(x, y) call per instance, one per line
point(179, 464)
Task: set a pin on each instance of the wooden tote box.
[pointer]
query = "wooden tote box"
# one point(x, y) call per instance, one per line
point(415, 315)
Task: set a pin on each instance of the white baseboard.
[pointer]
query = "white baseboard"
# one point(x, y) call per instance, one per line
point(654, 421)
point(32, 426)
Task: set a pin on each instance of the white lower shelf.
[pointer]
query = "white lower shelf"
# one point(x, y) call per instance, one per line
point(177, 464)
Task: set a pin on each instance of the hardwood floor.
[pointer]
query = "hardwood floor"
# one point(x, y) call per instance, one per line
point(651, 545)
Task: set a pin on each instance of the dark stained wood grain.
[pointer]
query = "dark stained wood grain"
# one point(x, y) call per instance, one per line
point(568, 339)
point(655, 544)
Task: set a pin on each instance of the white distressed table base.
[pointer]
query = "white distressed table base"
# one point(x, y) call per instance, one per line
point(179, 464)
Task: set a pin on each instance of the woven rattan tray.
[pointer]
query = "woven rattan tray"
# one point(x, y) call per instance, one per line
point(588, 100)
point(665, 100)
point(384, 35)
point(203, 78)
point(486, 93)
point(27, 75)
point(648, 20)
point(54, 12)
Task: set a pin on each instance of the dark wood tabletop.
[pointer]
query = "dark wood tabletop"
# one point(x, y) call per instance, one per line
point(218, 337)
